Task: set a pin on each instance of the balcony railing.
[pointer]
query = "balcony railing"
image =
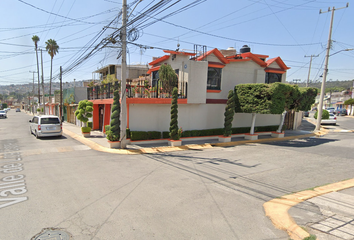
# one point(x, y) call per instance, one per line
point(106, 91)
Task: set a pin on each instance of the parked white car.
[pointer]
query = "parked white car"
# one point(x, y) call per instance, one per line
point(3, 114)
point(332, 120)
point(330, 109)
point(46, 126)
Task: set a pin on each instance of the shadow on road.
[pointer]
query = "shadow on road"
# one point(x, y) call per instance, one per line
point(302, 143)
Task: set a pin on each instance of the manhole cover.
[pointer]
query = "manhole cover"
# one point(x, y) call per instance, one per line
point(52, 234)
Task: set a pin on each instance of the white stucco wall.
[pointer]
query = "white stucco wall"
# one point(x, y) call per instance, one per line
point(196, 77)
point(156, 117)
point(236, 73)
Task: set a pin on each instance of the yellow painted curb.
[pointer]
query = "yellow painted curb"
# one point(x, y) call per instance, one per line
point(277, 209)
point(98, 147)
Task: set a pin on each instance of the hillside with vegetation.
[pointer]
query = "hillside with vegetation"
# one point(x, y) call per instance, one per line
point(334, 86)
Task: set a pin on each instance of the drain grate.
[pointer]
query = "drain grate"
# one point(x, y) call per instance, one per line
point(53, 234)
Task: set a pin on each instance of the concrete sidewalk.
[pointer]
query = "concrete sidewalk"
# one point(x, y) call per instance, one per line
point(98, 141)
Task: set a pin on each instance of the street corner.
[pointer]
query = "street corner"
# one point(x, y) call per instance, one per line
point(278, 209)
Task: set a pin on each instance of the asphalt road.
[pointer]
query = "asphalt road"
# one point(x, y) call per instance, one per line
point(209, 194)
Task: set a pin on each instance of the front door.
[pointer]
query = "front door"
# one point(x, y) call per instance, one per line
point(101, 112)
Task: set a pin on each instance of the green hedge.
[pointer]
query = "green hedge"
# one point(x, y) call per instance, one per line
point(89, 124)
point(142, 135)
point(165, 134)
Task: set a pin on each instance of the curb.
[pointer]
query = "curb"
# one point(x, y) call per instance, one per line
point(277, 209)
point(98, 147)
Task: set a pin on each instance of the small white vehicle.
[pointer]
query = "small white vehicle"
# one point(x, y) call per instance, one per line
point(3, 114)
point(332, 120)
point(46, 126)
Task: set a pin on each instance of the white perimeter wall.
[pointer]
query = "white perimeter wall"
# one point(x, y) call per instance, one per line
point(156, 117)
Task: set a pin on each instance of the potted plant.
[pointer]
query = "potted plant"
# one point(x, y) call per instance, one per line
point(137, 91)
point(175, 133)
point(83, 113)
point(113, 131)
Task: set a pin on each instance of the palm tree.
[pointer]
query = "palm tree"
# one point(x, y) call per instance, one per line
point(35, 39)
point(52, 49)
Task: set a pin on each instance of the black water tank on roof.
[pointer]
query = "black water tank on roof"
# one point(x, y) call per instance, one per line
point(245, 49)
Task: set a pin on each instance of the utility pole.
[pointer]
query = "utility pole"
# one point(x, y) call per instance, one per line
point(42, 83)
point(61, 96)
point(325, 71)
point(308, 76)
point(33, 87)
point(123, 114)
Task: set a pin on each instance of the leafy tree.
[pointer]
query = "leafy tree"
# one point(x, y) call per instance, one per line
point(113, 134)
point(168, 77)
point(52, 48)
point(84, 112)
point(4, 105)
point(174, 116)
point(350, 102)
point(325, 114)
point(229, 113)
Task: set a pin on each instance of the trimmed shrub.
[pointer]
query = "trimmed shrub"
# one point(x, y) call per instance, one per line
point(325, 114)
point(229, 113)
point(241, 130)
point(166, 134)
point(107, 128)
point(128, 132)
point(174, 116)
point(85, 129)
point(113, 134)
point(89, 124)
point(154, 135)
point(139, 135)
point(84, 111)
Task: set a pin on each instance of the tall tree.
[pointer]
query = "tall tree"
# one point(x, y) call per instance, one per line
point(52, 48)
point(35, 39)
point(168, 77)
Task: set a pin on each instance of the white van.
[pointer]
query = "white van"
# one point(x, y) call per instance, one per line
point(46, 126)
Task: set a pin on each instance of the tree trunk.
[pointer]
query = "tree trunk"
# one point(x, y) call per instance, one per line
point(50, 81)
point(282, 118)
point(253, 123)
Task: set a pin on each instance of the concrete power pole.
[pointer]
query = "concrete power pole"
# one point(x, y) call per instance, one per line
point(42, 83)
point(308, 76)
point(325, 71)
point(123, 114)
point(32, 89)
point(61, 95)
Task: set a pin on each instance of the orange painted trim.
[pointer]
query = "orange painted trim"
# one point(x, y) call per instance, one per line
point(273, 70)
point(154, 101)
point(217, 54)
point(179, 53)
point(279, 61)
point(161, 59)
point(102, 101)
point(216, 65)
point(127, 115)
point(254, 58)
point(153, 69)
point(213, 91)
point(240, 60)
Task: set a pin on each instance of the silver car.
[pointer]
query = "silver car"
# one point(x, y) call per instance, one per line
point(46, 126)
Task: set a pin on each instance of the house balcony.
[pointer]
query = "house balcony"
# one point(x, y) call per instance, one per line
point(106, 91)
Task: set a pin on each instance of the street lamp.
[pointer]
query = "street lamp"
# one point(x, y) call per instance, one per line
point(348, 49)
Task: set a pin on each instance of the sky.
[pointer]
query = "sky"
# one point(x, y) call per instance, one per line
point(291, 29)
